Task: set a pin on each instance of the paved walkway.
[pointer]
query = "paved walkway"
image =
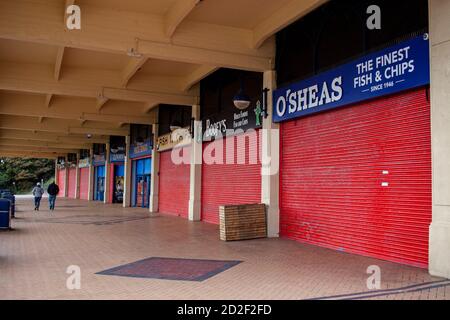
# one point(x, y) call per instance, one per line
point(34, 258)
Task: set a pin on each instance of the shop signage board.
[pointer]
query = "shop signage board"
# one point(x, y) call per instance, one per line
point(232, 121)
point(178, 138)
point(83, 163)
point(397, 68)
point(117, 154)
point(141, 149)
point(99, 160)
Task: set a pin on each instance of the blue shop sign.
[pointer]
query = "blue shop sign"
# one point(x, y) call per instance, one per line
point(397, 68)
point(141, 149)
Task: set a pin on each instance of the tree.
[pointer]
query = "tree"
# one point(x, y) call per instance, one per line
point(22, 174)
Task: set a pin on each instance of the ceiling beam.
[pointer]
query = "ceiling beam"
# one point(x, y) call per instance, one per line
point(287, 14)
point(59, 126)
point(35, 79)
point(48, 100)
point(51, 137)
point(197, 75)
point(130, 70)
point(42, 144)
point(177, 13)
point(59, 61)
point(11, 105)
point(120, 31)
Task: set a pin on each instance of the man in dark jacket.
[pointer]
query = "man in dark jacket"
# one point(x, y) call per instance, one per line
point(52, 191)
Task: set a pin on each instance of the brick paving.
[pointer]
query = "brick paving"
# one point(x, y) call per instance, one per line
point(34, 258)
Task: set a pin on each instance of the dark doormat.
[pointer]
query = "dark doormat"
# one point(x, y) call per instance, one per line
point(171, 269)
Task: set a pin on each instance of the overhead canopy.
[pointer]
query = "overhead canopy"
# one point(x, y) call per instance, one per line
point(57, 85)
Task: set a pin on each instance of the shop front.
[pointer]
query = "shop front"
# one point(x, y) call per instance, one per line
point(117, 169)
point(355, 154)
point(231, 170)
point(174, 168)
point(140, 154)
point(84, 164)
point(72, 175)
point(99, 171)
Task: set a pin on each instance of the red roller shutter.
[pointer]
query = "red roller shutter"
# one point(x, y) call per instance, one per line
point(84, 183)
point(231, 184)
point(334, 166)
point(72, 183)
point(174, 185)
point(61, 181)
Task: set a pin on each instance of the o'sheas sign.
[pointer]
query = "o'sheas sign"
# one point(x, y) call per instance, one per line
point(394, 69)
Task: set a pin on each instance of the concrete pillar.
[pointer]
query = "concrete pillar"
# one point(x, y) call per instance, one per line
point(91, 175)
point(154, 183)
point(127, 175)
point(195, 189)
point(77, 178)
point(270, 183)
point(439, 253)
point(107, 174)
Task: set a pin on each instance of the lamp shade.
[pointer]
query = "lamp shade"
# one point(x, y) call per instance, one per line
point(241, 100)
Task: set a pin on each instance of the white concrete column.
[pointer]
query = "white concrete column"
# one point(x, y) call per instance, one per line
point(439, 253)
point(270, 183)
point(195, 189)
point(77, 178)
point(91, 175)
point(154, 182)
point(107, 174)
point(127, 175)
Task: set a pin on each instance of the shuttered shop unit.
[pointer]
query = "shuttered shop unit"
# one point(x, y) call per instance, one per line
point(231, 184)
point(72, 183)
point(61, 181)
point(84, 183)
point(358, 179)
point(174, 185)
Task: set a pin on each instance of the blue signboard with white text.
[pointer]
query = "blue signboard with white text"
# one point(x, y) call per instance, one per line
point(394, 69)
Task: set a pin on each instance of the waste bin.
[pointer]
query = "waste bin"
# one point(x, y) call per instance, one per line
point(9, 196)
point(5, 216)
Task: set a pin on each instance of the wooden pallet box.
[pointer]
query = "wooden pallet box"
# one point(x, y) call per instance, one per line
point(242, 222)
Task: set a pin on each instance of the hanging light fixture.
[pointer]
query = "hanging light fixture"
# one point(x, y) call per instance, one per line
point(175, 125)
point(241, 100)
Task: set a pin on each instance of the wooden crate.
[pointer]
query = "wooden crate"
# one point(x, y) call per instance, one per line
point(243, 222)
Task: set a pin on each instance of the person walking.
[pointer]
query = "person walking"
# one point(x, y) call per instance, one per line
point(52, 191)
point(38, 192)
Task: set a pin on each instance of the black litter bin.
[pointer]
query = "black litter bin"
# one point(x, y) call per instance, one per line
point(5, 216)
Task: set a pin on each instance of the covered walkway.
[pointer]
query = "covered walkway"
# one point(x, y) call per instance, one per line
point(34, 258)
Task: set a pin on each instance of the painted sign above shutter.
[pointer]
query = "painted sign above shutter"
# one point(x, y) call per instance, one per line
point(397, 68)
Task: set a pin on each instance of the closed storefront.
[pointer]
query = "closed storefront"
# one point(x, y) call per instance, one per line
point(61, 181)
point(359, 179)
point(84, 164)
point(84, 183)
point(174, 184)
point(231, 114)
point(72, 182)
point(231, 184)
point(173, 145)
point(355, 145)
